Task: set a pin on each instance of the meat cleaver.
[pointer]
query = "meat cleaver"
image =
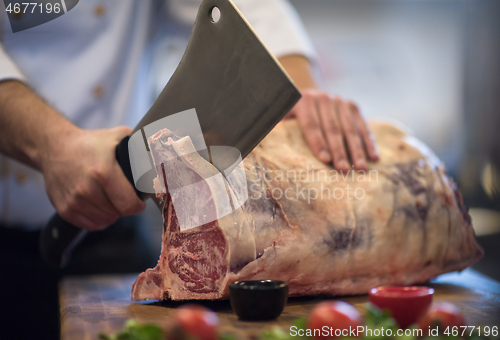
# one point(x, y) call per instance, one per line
point(237, 89)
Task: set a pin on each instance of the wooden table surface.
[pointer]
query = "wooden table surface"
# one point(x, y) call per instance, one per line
point(93, 304)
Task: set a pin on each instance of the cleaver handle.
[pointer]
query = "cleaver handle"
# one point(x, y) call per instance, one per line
point(58, 239)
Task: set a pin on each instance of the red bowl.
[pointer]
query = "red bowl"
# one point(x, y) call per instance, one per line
point(407, 304)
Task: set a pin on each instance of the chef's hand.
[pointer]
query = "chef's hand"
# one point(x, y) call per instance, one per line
point(333, 127)
point(82, 177)
point(85, 182)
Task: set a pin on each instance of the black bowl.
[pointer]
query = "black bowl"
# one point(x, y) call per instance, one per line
point(258, 300)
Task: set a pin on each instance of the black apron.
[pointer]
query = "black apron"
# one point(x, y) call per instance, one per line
point(29, 306)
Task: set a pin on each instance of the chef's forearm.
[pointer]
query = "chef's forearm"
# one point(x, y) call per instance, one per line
point(300, 70)
point(28, 125)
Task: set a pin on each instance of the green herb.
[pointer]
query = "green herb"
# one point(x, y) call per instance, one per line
point(226, 336)
point(136, 331)
point(377, 319)
point(301, 324)
point(275, 333)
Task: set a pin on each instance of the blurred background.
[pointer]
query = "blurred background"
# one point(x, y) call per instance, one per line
point(433, 65)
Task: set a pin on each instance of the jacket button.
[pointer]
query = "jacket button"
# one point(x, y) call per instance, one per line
point(21, 178)
point(17, 15)
point(99, 10)
point(98, 91)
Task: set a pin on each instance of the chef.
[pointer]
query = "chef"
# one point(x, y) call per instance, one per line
point(70, 88)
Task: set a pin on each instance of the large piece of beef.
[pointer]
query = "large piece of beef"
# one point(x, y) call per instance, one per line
point(403, 222)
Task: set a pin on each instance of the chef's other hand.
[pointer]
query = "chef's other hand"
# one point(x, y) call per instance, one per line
point(328, 124)
point(85, 182)
point(331, 126)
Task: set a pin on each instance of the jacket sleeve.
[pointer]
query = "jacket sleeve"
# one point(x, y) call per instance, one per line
point(275, 21)
point(8, 69)
point(278, 25)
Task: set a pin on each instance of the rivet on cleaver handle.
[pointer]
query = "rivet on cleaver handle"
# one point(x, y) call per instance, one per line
point(239, 91)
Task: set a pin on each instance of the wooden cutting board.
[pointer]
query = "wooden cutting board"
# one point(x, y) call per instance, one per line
point(94, 304)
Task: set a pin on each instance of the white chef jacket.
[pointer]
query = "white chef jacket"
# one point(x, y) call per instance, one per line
point(85, 64)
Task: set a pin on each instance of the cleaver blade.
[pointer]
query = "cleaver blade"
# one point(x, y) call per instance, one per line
point(237, 87)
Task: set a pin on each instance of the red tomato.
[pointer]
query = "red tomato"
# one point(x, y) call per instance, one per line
point(197, 321)
point(443, 314)
point(333, 318)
